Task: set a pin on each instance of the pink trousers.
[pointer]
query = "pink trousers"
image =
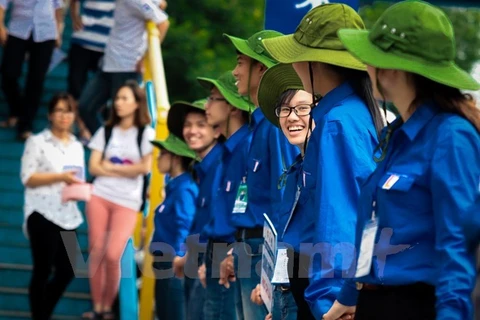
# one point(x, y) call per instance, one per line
point(109, 228)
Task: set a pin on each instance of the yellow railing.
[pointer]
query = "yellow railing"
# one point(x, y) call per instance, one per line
point(154, 71)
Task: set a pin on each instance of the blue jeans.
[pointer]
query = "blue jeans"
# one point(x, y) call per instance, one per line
point(169, 293)
point(248, 262)
point(219, 301)
point(194, 298)
point(284, 306)
point(101, 88)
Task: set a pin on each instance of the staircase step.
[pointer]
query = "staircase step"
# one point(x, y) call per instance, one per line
point(11, 199)
point(14, 216)
point(17, 299)
point(9, 166)
point(14, 183)
point(13, 234)
point(20, 254)
point(18, 276)
point(21, 315)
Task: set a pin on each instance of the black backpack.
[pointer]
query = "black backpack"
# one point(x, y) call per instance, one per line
point(108, 135)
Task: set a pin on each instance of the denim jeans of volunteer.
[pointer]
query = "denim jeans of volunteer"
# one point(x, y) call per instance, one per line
point(248, 264)
point(194, 291)
point(98, 91)
point(169, 291)
point(284, 306)
point(219, 301)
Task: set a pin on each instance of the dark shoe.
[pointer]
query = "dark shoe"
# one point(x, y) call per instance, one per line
point(9, 123)
point(109, 315)
point(92, 315)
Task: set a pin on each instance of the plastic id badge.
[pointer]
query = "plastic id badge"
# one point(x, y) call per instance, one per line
point(241, 200)
point(78, 171)
point(367, 246)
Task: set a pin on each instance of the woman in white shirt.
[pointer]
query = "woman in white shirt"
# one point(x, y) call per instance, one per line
point(51, 159)
point(119, 166)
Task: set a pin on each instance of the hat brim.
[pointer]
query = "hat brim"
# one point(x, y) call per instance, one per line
point(274, 82)
point(172, 148)
point(242, 46)
point(236, 101)
point(358, 43)
point(286, 49)
point(176, 116)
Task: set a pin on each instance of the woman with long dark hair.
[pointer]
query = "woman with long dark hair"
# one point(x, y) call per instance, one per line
point(426, 186)
point(121, 156)
point(338, 154)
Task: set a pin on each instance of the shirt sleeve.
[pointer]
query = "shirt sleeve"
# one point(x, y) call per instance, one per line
point(344, 162)
point(30, 159)
point(148, 9)
point(98, 140)
point(184, 210)
point(454, 186)
point(148, 135)
point(282, 155)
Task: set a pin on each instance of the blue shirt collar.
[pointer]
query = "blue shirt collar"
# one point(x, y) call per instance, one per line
point(257, 117)
point(177, 181)
point(236, 138)
point(331, 99)
point(203, 166)
point(418, 120)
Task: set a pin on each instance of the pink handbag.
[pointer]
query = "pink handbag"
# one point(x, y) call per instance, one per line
point(77, 192)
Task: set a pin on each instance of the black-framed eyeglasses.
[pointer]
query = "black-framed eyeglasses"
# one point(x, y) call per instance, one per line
point(300, 110)
point(211, 99)
point(63, 111)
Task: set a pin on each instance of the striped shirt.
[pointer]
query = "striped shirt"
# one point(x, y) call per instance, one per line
point(97, 19)
point(128, 40)
point(33, 17)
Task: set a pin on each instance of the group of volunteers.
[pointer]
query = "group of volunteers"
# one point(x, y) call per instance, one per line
point(379, 221)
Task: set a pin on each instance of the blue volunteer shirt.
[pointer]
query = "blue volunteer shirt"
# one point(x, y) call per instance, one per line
point(173, 218)
point(234, 161)
point(97, 18)
point(425, 188)
point(269, 156)
point(291, 225)
point(338, 159)
point(208, 172)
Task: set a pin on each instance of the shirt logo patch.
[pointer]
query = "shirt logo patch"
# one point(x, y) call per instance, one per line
point(390, 182)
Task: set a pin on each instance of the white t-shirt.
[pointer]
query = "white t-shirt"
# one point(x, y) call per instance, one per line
point(122, 148)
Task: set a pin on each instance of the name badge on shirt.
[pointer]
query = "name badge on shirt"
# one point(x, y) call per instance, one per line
point(367, 245)
point(78, 171)
point(241, 200)
point(162, 207)
point(390, 182)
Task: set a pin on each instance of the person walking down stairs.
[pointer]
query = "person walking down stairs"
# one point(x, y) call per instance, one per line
point(35, 28)
point(51, 159)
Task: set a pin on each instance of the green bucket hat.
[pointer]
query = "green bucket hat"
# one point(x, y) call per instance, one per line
point(275, 81)
point(254, 48)
point(177, 113)
point(316, 39)
point(226, 85)
point(175, 145)
point(423, 44)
